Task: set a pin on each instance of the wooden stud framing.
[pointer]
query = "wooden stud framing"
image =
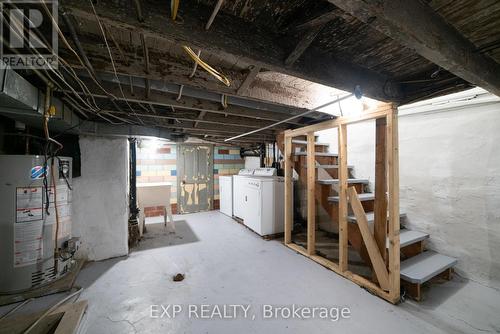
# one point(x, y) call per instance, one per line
point(311, 192)
point(388, 280)
point(380, 205)
point(288, 190)
point(343, 176)
point(393, 204)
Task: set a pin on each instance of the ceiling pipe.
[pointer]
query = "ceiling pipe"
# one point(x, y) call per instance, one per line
point(357, 93)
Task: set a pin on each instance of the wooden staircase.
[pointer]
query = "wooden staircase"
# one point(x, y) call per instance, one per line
point(417, 265)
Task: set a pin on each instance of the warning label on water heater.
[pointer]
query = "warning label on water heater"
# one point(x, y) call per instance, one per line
point(28, 228)
point(29, 204)
point(28, 243)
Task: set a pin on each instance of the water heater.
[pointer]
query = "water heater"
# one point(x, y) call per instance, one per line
point(31, 189)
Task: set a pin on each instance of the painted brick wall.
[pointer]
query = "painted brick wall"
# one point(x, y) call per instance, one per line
point(227, 161)
point(159, 165)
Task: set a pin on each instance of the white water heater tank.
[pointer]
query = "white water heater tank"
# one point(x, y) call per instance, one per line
point(28, 220)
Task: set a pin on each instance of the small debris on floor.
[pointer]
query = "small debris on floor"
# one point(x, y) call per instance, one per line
point(178, 277)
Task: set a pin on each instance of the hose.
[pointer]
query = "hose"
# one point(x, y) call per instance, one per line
point(59, 303)
point(219, 76)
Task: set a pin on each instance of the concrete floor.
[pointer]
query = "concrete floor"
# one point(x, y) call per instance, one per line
point(225, 263)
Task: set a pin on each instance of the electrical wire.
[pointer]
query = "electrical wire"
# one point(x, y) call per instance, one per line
point(65, 41)
point(40, 36)
point(113, 62)
point(90, 71)
point(219, 76)
point(51, 79)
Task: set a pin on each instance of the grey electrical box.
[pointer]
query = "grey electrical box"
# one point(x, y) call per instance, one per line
point(28, 221)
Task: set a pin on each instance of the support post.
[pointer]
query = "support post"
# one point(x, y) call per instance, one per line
point(288, 190)
point(343, 176)
point(311, 200)
point(393, 191)
point(380, 206)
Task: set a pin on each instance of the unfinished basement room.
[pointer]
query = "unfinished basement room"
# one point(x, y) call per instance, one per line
point(249, 166)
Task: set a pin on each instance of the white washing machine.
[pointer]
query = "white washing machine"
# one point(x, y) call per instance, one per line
point(258, 199)
point(238, 197)
point(264, 204)
point(226, 194)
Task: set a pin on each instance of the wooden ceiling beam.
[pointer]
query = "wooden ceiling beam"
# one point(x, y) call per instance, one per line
point(216, 120)
point(417, 26)
point(252, 74)
point(186, 102)
point(233, 38)
point(304, 43)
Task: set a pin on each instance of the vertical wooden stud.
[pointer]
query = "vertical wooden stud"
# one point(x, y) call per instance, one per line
point(288, 190)
point(380, 207)
point(311, 201)
point(343, 176)
point(393, 191)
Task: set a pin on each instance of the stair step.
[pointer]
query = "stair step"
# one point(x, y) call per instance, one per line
point(318, 154)
point(362, 197)
point(369, 217)
point(424, 266)
point(304, 142)
point(330, 166)
point(408, 237)
point(336, 181)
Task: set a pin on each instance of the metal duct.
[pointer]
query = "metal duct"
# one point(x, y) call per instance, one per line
point(23, 102)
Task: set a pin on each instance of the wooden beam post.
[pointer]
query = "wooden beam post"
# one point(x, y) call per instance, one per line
point(311, 200)
point(343, 176)
point(393, 191)
point(378, 263)
point(288, 190)
point(380, 206)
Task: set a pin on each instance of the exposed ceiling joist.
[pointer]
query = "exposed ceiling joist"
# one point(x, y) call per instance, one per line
point(186, 102)
point(216, 120)
point(242, 42)
point(303, 44)
point(252, 74)
point(415, 25)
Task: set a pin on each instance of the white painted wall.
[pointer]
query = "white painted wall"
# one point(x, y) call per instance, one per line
point(449, 176)
point(100, 198)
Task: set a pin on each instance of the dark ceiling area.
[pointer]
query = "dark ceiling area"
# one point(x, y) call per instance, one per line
point(126, 57)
